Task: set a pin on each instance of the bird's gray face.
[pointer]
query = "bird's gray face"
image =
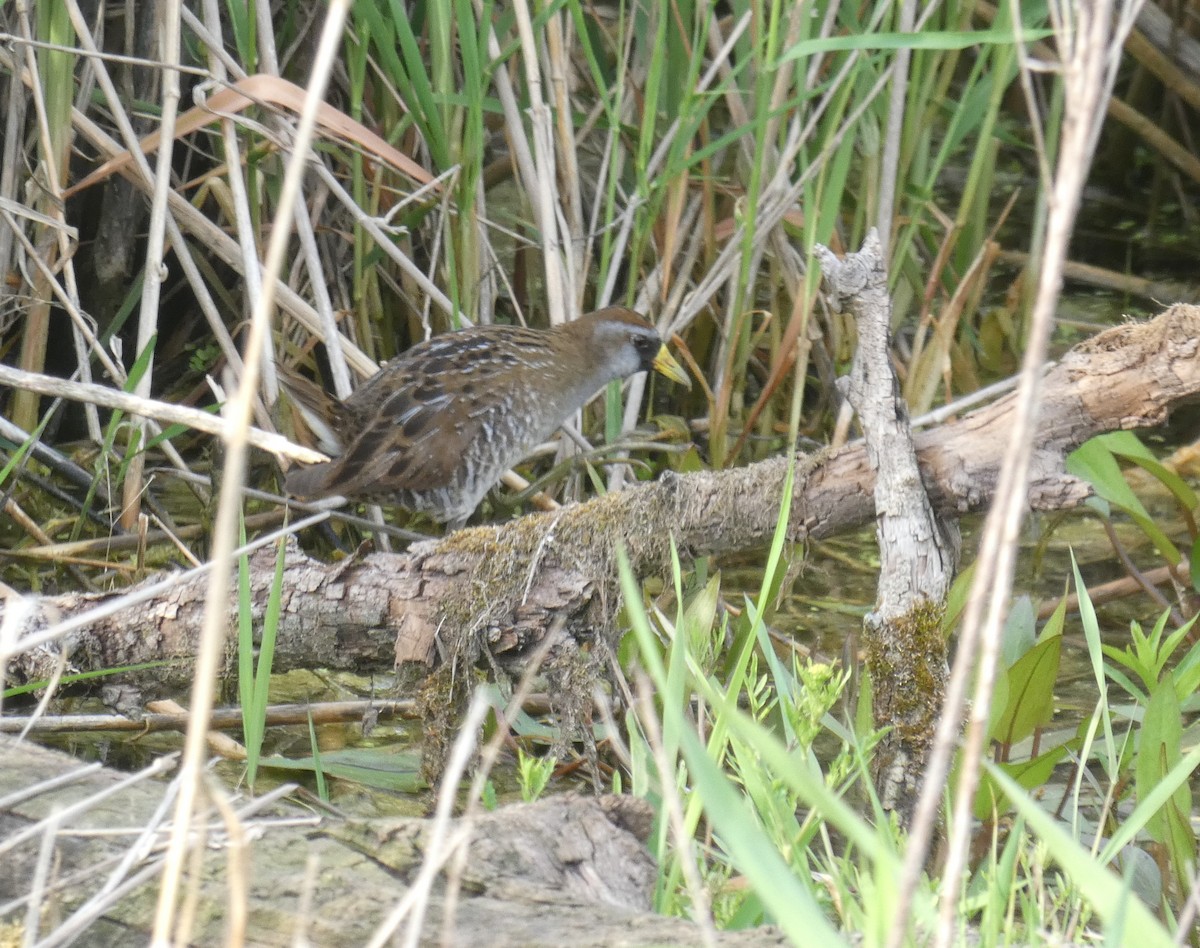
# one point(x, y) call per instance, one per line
point(626, 348)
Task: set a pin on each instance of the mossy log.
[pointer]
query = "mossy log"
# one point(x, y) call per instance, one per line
point(505, 587)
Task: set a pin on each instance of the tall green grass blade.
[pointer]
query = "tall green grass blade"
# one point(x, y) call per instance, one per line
point(244, 24)
point(927, 40)
point(755, 855)
point(318, 765)
point(1091, 634)
point(56, 67)
point(419, 86)
point(128, 307)
point(1151, 803)
point(24, 448)
point(31, 687)
point(136, 372)
point(254, 678)
point(790, 905)
point(245, 618)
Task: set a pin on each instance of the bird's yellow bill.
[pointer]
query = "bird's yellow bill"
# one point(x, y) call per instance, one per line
point(665, 364)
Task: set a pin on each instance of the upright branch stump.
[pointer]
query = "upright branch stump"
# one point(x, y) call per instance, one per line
point(905, 649)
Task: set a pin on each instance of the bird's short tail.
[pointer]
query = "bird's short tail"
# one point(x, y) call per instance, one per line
point(320, 411)
point(311, 481)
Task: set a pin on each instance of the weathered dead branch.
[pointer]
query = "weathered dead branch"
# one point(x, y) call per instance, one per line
point(918, 550)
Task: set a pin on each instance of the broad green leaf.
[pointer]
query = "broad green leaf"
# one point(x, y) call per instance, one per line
point(1057, 621)
point(1031, 683)
point(956, 600)
point(1020, 631)
point(1095, 462)
point(698, 620)
point(1159, 750)
point(1128, 445)
point(397, 771)
point(1030, 774)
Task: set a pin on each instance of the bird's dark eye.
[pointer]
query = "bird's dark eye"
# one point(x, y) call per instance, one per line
point(644, 343)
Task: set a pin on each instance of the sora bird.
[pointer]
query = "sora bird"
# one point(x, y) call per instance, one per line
point(434, 429)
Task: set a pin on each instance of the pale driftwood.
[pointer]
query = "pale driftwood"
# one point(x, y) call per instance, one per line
point(568, 870)
point(918, 550)
point(504, 586)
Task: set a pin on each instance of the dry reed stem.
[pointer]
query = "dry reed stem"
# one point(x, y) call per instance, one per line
point(155, 268)
point(212, 237)
point(243, 223)
point(166, 412)
point(570, 191)
point(442, 842)
point(279, 715)
point(540, 190)
point(35, 334)
point(229, 504)
point(249, 91)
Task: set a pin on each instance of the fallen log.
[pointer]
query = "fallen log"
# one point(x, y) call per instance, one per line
point(503, 588)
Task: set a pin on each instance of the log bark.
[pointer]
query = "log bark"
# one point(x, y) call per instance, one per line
point(502, 589)
point(568, 870)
